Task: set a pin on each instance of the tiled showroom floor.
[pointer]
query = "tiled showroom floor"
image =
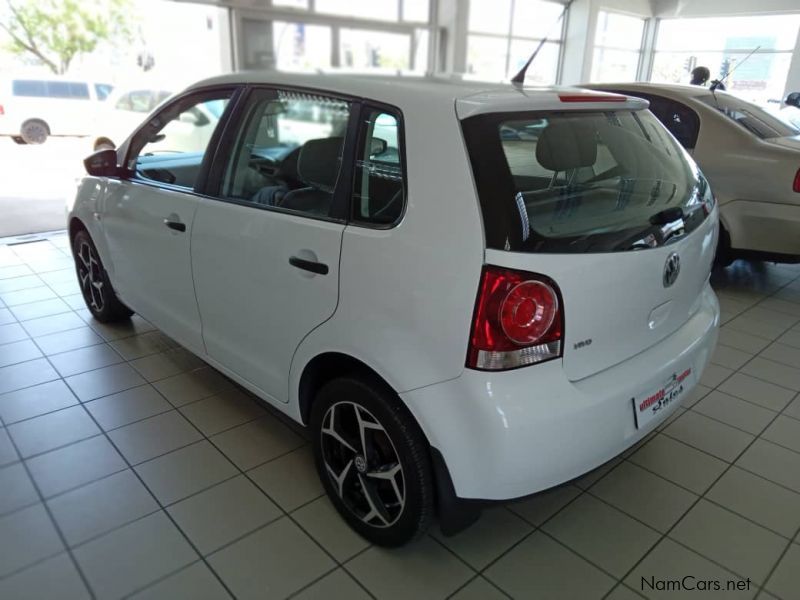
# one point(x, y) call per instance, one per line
point(128, 468)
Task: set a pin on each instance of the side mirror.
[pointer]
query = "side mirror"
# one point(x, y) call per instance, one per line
point(377, 146)
point(195, 117)
point(102, 163)
point(793, 99)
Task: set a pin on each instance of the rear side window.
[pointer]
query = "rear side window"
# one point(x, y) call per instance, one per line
point(681, 120)
point(577, 182)
point(379, 185)
point(32, 88)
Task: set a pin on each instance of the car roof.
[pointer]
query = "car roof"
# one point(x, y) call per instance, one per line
point(679, 89)
point(416, 91)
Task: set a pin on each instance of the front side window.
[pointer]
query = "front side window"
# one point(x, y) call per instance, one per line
point(288, 154)
point(583, 182)
point(102, 90)
point(170, 148)
point(379, 187)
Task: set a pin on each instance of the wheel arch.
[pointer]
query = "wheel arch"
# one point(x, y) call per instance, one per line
point(325, 367)
point(454, 513)
point(75, 225)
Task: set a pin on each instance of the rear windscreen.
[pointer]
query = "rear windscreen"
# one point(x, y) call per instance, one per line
point(583, 181)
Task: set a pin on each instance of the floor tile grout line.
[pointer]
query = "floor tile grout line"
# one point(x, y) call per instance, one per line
point(182, 447)
point(142, 482)
point(733, 395)
point(774, 567)
point(51, 517)
point(242, 472)
point(612, 469)
point(295, 593)
point(538, 527)
point(666, 535)
point(694, 493)
point(721, 422)
point(469, 581)
point(163, 578)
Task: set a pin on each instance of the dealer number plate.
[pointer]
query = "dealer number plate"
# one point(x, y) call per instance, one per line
point(651, 406)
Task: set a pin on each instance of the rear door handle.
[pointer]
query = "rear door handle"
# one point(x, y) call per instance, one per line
point(309, 265)
point(176, 225)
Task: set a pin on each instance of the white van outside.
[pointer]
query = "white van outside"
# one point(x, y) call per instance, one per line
point(34, 108)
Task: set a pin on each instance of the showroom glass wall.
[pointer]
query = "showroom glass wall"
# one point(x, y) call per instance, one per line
point(722, 44)
point(387, 35)
point(503, 34)
point(617, 47)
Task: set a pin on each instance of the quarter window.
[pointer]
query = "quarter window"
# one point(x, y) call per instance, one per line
point(288, 154)
point(379, 188)
point(171, 147)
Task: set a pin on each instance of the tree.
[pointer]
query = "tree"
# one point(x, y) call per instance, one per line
point(56, 31)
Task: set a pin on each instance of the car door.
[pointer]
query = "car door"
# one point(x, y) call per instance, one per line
point(147, 219)
point(265, 248)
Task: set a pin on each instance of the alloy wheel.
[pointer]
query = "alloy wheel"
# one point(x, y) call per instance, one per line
point(362, 464)
point(90, 274)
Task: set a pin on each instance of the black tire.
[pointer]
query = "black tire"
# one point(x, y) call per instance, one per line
point(724, 255)
point(405, 497)
point(34, 131)
point(98, 293)
point(18, 140)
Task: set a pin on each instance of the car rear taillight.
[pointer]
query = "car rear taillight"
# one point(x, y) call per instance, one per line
point(518, 321)
point(796, 186)
point(2, 110)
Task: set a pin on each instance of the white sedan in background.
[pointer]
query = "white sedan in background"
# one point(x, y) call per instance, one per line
point(751, 158)
point(126, 109)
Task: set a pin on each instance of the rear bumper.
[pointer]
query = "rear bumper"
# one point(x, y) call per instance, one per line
point(765, 227)
point(511, 434)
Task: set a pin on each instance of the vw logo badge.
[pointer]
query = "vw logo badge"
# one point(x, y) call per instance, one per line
point(671, 269)
point(361, 464)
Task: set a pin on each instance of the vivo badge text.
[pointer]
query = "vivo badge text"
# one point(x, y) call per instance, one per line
point(649, 408)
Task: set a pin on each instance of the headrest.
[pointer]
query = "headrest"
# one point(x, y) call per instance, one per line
point(566, 145)
point(318, 162)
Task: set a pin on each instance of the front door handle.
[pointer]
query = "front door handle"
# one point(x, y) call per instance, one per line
point(176, 225)
point(309, 265)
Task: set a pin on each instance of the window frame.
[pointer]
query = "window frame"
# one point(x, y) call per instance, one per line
point(129, 174)
point(367, 107)
point(251, 95)
point(640, 51)
point(509, 38)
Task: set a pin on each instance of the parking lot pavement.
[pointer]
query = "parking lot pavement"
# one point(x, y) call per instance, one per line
point(36, 182)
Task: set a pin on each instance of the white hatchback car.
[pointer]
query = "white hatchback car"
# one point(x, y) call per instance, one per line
point(751, 158)
point(457, 312)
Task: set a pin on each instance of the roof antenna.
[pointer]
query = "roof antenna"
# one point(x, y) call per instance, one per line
point(519, 79)
point(716, 83)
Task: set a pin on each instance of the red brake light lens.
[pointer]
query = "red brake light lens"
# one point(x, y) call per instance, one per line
point(796, 186)
point(591, 97)
point(518, 320)
point(2, 110)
